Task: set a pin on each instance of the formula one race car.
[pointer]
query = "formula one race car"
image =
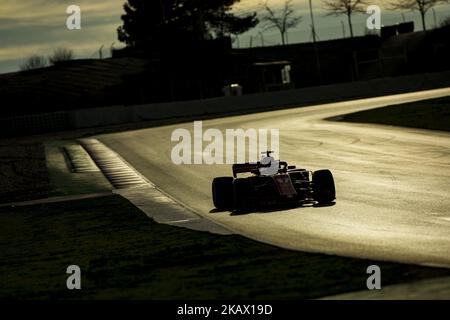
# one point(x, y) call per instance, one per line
point(272, 182)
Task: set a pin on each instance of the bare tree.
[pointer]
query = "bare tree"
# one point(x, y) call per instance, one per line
point(59, 55)
point(283, 21)
point(417, 5)
point(347, 7)
point(34, 62)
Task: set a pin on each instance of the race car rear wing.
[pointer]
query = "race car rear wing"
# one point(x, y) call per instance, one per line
point(254, 167)
point(246, 167)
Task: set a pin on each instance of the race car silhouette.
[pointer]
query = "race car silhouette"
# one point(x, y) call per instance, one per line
point(272, 182)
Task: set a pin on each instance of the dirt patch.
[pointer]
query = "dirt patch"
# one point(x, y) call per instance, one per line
point(23, 171)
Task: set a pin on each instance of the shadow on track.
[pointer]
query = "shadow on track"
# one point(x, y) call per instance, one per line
point(272, 208)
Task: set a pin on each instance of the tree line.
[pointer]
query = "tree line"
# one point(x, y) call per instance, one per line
point(39, 61)
point(154, 21)
point(151, 23)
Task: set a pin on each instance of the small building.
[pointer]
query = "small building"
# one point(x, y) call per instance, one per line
point(271, 76)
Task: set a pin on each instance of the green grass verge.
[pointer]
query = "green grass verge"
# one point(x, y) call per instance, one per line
point(429, 114)
point(125, 255)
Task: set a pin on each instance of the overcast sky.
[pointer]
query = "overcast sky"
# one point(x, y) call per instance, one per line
point(38, 26)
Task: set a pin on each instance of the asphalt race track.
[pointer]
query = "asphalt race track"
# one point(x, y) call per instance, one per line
point(392, 183)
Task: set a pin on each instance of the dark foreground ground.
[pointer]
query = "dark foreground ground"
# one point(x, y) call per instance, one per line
point(125, 255)
point(429, 114)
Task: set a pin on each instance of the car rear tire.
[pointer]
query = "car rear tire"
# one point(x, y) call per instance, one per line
point(323, 186)
point(222, 192)
point(242, 194)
